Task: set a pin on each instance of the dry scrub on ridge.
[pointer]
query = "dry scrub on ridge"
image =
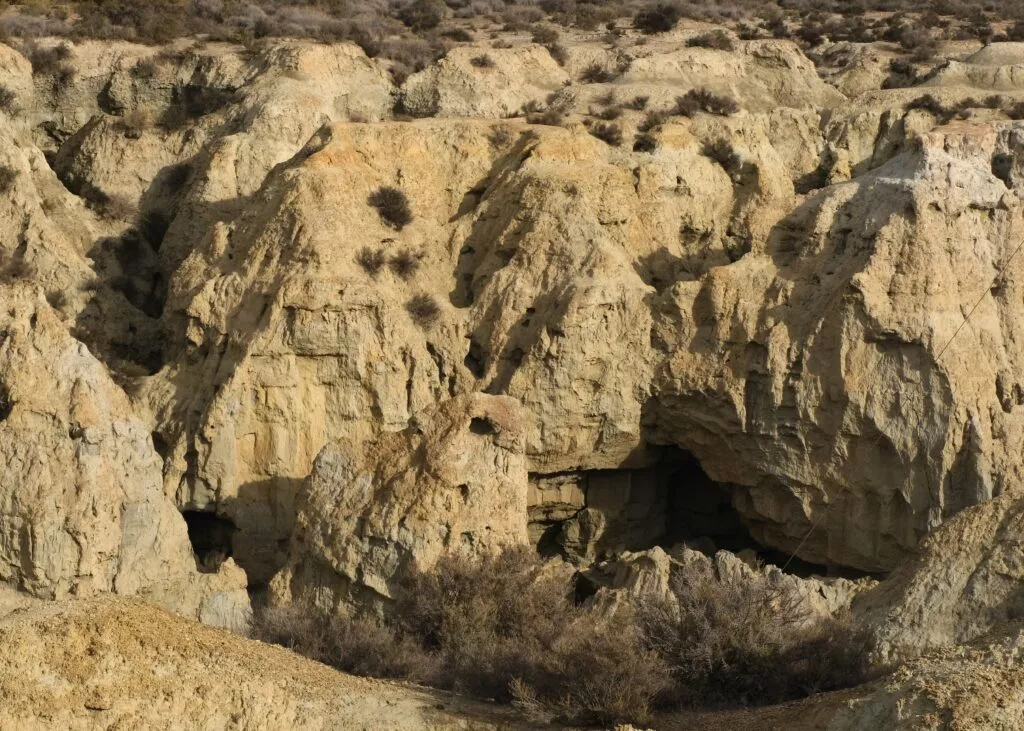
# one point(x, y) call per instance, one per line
point(508, 628)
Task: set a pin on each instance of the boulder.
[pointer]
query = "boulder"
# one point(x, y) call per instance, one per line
point(453, 483)
point(965, 579)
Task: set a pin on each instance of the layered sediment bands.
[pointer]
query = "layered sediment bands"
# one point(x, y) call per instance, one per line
point(782, 313)
point(798, 360)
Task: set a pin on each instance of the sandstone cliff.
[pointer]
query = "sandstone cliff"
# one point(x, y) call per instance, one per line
point(221, 368)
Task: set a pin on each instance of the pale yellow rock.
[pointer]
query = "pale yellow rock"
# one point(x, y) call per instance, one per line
point(82, 509)
point(963, 581)
point(452, 484)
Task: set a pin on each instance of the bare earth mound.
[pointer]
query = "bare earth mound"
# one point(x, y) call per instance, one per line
point(112, 663)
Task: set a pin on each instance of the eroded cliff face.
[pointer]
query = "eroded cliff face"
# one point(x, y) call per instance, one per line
point(764, 338)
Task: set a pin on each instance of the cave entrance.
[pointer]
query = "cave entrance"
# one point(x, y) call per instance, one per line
point(589, 515)
point(211, 537)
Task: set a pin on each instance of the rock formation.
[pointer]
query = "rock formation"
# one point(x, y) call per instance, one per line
point(222, 367)
point(454, 482)
point(83, 506)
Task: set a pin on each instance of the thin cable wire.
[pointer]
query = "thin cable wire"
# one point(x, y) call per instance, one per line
point(828, 506)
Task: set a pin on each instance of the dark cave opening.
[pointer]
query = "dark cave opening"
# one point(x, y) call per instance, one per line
point(6, 402)
point(594, 514)
point(211, 538)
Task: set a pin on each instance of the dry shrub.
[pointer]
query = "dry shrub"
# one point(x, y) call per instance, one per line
point(638, 103)
point(46, 61)
point(135, 122)
point(507, 627)
point(608, 114)
point(660, 18)
point(423, 309)
point(459, 35)
point(64, 79)
point(1016, 111)
point(652, 120)
point(506, 619)
point(608, 133)
point(370, 260)
point(721, 151)
point(930, 104)
point(404, 264)
point(645, 142)
point(716, 39)
point(355, 645)
point(545, 36)
point(558, 53)
point(115, 207)
point(392, 205)
point(500, 138)
point(702, 100)
point(8, 101)
point(595, 73)
point(748, 642)
point(482, 61)
point(145, 68)
point(7, 177)
point(422, 15)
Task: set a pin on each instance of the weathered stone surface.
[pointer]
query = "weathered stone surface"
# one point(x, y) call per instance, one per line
point(644, 575)
point(454, 483)
point(964, 580)
point(455, 87)
point(82, 509)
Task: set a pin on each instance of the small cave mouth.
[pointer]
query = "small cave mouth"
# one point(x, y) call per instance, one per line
point(6, 402)
point(211, 537)
point(591, 515)
point(1002, 168)
point(482, 425)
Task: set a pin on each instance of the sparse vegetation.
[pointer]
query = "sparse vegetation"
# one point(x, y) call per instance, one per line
point(722, 152)
point(716, 39)
point(423, 309)
point(8, 100)
point(505, 627)
point(608, 133)
point(482, 61)
point(702, 100)
point(638, 103)
point(371, 260)
point(595, 73)
point(645, 142)
point(404, 264)
point(375, 26)
point(7, 177)
point(47, 61)
point(660, 18)
point(392, 205)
